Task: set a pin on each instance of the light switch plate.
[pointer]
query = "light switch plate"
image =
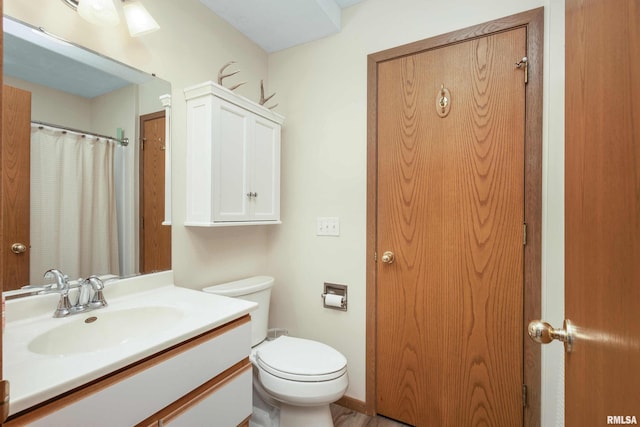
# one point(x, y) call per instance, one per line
point(328, 226)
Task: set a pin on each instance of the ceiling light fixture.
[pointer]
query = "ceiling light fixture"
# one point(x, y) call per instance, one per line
point(139, 20)
point(104, 13)
point(98, 12)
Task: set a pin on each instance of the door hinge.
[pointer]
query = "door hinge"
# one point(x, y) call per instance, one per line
point(524, 234)
point(375, 257)
point(524, 64)
point(524, 395)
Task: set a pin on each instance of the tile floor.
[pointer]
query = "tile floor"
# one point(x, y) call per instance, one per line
point(343, 417)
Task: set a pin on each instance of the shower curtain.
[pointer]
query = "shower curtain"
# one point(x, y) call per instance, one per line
point(73, 204)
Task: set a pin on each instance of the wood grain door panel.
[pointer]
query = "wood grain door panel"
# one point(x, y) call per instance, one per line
point(450, 206)
point(16, 166)
point(602, 210)
point(155, 250)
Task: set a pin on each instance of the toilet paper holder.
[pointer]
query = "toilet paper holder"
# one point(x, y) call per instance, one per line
point(334, 290)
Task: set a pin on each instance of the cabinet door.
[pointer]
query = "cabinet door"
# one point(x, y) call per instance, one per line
point(225, 404)
point(232, 138)
point(199, 176)
point(233, 160)
point(266, 170)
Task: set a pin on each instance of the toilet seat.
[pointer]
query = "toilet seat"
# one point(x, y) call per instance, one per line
point(302, 360)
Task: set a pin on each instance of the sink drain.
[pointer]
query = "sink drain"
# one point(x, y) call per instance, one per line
point(90, 319)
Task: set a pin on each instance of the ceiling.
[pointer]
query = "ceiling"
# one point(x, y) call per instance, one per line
point(278, 24)
point(34, 55)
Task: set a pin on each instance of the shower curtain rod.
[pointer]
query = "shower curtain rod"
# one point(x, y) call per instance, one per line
point(124, 141)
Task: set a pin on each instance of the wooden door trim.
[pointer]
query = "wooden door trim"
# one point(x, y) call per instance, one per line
point(533, 21)
point(2, 413)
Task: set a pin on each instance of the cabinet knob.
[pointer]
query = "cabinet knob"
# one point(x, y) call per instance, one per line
point(250, 195)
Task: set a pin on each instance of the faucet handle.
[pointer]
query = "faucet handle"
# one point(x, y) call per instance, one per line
point(96, 282)
point(84, 293)
point(98, 297)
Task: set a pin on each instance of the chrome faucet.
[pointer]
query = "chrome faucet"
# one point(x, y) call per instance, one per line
point(85, 302)
point(90, 295)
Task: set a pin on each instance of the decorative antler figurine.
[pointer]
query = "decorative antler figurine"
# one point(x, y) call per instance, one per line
point(221, 75)
point(264, 100)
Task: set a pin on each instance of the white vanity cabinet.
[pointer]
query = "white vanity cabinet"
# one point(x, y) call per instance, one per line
point(206, 380)
point(233, 159)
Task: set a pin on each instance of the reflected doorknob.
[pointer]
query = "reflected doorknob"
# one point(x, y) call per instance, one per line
point(543, 333)
point(18, 248)
point(388, 257)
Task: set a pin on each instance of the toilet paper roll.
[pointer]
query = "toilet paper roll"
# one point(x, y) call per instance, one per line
point(333, 300)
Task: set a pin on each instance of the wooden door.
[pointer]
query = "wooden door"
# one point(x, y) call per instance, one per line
point(16, 142)
point(602, 211)
point(450, 208)
point(155, 238)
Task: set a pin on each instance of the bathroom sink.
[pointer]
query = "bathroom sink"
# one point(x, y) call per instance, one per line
point(98, 330)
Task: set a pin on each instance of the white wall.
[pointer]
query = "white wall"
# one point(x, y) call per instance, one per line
point(321, 89)
point(54, 106)
point(149, 95)
point(553, 213)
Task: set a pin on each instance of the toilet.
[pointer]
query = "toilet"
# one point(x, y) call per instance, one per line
point(295, 379)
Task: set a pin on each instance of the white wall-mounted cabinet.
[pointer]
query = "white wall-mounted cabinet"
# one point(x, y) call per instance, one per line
point(233, 159)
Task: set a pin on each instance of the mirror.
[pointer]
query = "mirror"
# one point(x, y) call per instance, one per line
point(77, 92)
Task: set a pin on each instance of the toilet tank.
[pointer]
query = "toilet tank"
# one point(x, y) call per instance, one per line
point(256, 289)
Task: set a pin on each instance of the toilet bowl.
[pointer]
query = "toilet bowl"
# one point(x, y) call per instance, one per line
point(296, 376)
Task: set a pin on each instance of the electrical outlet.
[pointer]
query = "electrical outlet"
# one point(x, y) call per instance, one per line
point(328, 226)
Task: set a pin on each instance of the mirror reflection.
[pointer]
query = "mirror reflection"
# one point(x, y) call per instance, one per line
point(84, 151)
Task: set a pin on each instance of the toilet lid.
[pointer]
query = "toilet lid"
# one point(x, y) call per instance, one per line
point(299, 359)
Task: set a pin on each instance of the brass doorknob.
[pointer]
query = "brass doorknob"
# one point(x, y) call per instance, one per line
point(543, 333)
point(18, 248)
point(388, 257)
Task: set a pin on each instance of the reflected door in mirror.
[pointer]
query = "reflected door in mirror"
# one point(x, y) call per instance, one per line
point(155, 238)
point(16, 133)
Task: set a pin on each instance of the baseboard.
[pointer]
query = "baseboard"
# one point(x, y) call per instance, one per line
point(353, 404)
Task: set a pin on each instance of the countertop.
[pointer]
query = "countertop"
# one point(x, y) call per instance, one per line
point(35, 378)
